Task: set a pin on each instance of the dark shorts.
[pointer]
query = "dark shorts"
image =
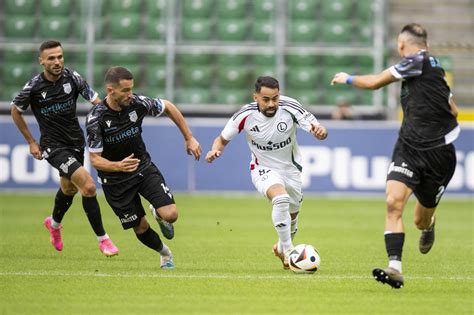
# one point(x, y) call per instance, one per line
point(124, 198)
point(65, 160)
point(426, 172)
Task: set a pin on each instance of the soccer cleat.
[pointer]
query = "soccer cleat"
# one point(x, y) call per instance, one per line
point(390, 276)
point(166, 261)
point(55, 234)
point(281, 256)
point(108, 248)
point(166, 228)
point(427, 238)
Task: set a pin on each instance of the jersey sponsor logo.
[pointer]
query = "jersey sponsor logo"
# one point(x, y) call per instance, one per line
point(108, 122)
point(400, 169)
point(65, 166)
point(255, 129)
point(57, 108)
point(128, 218)
point(43, 94)
point(133, 116)
point(123, 136)
point(270, 146)
point(282, 126)
point(67, 88)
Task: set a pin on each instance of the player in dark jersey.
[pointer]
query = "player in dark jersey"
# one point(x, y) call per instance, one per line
point(125, 168)
point(52, 96)
point(424, 159)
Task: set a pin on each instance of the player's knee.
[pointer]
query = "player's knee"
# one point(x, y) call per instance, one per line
point(394, 205)
point(422, 223)
point(171, 215)
point(89, 189)
point(69, 191)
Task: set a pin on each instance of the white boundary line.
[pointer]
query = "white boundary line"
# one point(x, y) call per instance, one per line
point(164, 274)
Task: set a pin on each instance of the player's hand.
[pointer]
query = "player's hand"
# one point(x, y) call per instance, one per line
point(129, 164)
point(212, 155)
point(36, 151)
point(340, 78)
point(319, 131)
point(193, 148)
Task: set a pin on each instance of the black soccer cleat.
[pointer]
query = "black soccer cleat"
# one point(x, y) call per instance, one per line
point(390, 276)
point(427, 239)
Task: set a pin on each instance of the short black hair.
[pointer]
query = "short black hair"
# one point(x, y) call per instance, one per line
point(49, 44)
point(266, 81)
point(115, 74)
point(417, 32)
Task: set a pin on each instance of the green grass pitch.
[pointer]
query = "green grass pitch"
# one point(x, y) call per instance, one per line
point(224, 263)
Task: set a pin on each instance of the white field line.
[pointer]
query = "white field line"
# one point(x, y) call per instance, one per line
point(170, 275)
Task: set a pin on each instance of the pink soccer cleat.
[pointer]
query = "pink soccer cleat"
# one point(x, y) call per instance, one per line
point(108, 248)
point(55, 234)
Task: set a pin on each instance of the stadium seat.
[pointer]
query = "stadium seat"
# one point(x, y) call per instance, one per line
point(264, 9)
point(17, 73)
point(158, 59)
point(328, 73)
point(25, 7)
point(265, 70)
point(303, 77)
point(301, 58)
point(58, 27)
point(337, 10)
point(263, 30)
point(231, 29)
point(155, 8)
point(365, 61)
point(9, 92)
point(19, 54)
point(123, 55)
point(303, 9)
point(303, 31)
point(198, 8)
point(196, 76)
point(364, 10)
point(334, 96)
point(124, 26)
point(197, 29)
point(365, 97)
point(233, 77)
point(338, 60)
point(156, 76)
point(98, 73)
point(56, 7)
point(19, 26)
point(121, 6)
point(155, 29)
point(266, 59)
point(234, 96)
point(194, 58)
point(304, 96)
point(81, 28)
point(365, 33)
point(193, 96)
point(231, 59)
point(337, 32)
point(234, 9)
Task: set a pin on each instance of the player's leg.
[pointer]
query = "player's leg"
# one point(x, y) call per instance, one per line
point(87, 188)
point(62, 203)
point(162, 205)
point(425, 221)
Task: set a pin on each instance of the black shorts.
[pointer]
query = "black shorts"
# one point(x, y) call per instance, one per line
point(124, 198)
point(426, 172)
point(65, 160)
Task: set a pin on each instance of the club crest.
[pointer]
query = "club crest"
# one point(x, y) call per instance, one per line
point(67, 88)
point(133, 116)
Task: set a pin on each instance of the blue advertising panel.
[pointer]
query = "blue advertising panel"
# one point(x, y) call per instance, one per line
point(353, 159)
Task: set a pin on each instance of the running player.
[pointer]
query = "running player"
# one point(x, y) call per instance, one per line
point(125, 168)
point(52, 96)
point(424, 158)
point(270, 127)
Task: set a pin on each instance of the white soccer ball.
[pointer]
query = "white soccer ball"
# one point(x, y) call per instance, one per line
point(304, 259)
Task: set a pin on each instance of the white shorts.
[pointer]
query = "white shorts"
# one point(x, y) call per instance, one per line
point(264, 177)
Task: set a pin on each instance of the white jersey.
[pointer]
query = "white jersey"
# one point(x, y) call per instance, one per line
point(272, 140)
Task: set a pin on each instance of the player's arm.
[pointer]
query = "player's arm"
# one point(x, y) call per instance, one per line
point(217, 147)
point(192, 145)
point(319, 131)
point(370, 81)
point(453, 106)
point(128, 164)
point(20, 122)
point(96, 101)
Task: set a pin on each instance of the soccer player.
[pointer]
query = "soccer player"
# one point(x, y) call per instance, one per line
point(52, 96)
point(424, 158)
point(270, 128)
point(125, 168)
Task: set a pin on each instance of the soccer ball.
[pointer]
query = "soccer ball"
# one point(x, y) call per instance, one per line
point(304, 259)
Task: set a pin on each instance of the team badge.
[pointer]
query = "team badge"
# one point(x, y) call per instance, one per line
point(67, 88)
point(133, 116)
point(282, 126)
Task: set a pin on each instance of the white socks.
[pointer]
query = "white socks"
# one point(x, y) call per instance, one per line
point(103, 237)
point(165, 251)
point(282, 220)
point(395, 264)
point(54, 224)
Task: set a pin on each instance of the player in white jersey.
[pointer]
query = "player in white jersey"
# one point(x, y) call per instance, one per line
point(270, 127)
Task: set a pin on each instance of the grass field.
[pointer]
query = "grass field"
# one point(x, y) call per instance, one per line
point(224, 263)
